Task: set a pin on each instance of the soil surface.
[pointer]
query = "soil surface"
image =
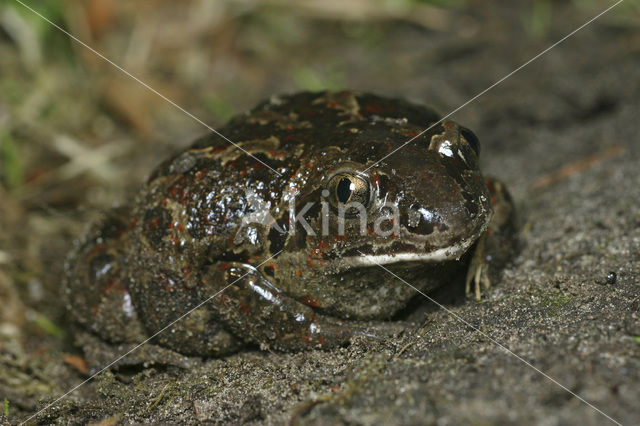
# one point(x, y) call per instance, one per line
point(555, 341)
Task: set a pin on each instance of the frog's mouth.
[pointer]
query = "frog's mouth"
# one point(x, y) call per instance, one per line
point(453, 252)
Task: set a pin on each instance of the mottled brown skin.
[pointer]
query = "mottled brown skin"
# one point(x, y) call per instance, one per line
point(183, 240)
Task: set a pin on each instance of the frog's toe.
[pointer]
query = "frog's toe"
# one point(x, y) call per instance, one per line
point(479, 275)
point(478, 272)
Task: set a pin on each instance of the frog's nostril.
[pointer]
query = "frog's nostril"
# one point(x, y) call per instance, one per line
point(413, 218)
point(421, 220)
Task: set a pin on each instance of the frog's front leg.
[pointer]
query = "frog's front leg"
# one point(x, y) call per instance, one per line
point(252, 307)
point(496, 246)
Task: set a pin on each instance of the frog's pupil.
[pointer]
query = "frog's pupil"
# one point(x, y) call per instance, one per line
point(343, 191)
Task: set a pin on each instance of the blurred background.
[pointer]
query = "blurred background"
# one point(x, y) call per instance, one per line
point(78, 136)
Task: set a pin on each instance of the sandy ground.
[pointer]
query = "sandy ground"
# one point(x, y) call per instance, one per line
point(555, 341)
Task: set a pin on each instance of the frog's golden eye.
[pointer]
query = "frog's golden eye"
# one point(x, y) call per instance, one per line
point(348, 187)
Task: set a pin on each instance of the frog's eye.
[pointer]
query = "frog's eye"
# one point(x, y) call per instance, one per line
point(349, 188)
point(471, 139)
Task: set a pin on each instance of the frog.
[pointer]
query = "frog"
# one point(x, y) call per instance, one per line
point(285, 228)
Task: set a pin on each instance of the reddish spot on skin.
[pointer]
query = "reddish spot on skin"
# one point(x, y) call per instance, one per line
point(335, 388)
point(375, 179)
point(340, 238)
point(200, 174)
point(489, 184)
point(322, 340)
point(224, 266)
point(230, 238)
point(298, 273)
point(310, 301)
point(170, 225)
point(412, 133)
point(186, 271)
point(173, 191)
point(289, 127)
point(373, 109)
point(175, 240)
point(492, 190)
point(257, 165)
point(309, 165)
point(97, 249)
point(272, 266)
point(184, 194)
point(311, 262)
point(323, 244)
point(110, 285)
point(307, 338)
point(332, 105)
point(168, 288)
point(289, 138)
point(244, 308)
point(243, 172)
point(133, 222)
point(272, 152)
point(448, 124)
point(219, 150)
point(94, 309)
point(164, 202)
point(223, 300)
point(179, 227)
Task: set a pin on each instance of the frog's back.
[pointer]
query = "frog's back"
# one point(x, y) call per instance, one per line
point(280, 145)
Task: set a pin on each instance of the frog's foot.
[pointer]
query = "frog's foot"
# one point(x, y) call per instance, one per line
point(496, 246)
point(99, 354)
point(478, 271)
point(254, 309)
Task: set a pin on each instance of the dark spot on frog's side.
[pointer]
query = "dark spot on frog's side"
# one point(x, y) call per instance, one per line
point(114, 226)
point(156, 224)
